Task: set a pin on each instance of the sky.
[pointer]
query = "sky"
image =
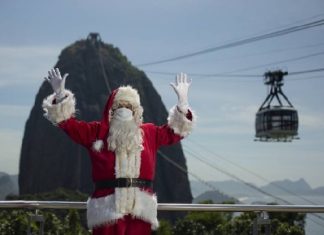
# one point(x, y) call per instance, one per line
point(34, 32)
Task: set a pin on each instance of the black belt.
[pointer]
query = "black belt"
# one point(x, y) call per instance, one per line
point(124, 183)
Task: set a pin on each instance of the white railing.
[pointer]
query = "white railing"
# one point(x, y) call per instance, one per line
point(172, 206)
point(261, 210)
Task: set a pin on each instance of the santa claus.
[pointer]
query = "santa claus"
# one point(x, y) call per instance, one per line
point(123, 151)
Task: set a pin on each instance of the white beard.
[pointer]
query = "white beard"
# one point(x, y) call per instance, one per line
point(125, 139)
point(124, 135)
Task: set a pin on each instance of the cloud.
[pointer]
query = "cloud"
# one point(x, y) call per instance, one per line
point(14, 111)
point(19, 65)
point(313, 121)
point(228, 120)
point(13, 117)
point(28, 52)
point(10, 144)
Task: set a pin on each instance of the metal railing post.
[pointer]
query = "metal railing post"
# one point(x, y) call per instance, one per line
point(36, 218)
point(262, 220)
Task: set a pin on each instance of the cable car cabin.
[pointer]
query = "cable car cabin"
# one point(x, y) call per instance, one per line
point(276, 123)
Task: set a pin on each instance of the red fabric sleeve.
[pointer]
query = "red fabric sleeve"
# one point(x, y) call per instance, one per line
point(166, 136)
point(84, 133)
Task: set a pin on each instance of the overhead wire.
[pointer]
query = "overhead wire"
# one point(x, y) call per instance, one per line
point(186, 171)
point(231, 175)
point(278, 50)
point(192, 174)
point(236, 75)
point(307, 71)
point(306, 78)
point(277, 62)
point(206, 75)
point(179, 167)
point(277, 33)
point(249, 171)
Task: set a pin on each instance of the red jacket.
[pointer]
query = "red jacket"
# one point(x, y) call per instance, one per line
point(101, 207)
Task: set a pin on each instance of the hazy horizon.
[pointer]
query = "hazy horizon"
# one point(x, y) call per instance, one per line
point(147, 31)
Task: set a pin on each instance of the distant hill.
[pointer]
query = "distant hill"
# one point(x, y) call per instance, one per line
point(8, 185)
point(229, 187)
point(240, 190)
point(215, 196)
point(319, 190)
point(287, 186)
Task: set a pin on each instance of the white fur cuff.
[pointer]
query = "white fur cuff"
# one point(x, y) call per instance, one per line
point(59, 112)
point(180, 124)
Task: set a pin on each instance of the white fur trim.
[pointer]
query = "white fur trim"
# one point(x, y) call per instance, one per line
point(126, 165)
point(129, 94)
point(146, 208)
point(97, 145)
point(180, 124)
point(61, 111)
point(102, 211)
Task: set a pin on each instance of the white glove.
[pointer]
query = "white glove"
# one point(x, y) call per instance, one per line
point(181, 87)
point(57, 83)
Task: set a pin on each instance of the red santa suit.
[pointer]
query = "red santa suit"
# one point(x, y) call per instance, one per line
point(111, 210)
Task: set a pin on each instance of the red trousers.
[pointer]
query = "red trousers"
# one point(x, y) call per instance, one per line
point(126, 226)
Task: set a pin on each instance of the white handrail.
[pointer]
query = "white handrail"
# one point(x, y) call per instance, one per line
point(171, 206)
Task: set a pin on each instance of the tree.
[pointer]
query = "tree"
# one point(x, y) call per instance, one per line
point(238, 225)
point(202, 222)
point(53, 225)
point(208, 223)
point(165, 228)
point(280, 223)
point(287, 222)
point(72, 224)
point(189, 227)
point(14, 222)
point(56, 221)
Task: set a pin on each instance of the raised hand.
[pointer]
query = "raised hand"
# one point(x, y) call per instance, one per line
point(57, 82)
point(181, 87)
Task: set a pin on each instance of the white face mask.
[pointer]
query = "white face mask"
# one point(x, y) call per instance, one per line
point(123, 114)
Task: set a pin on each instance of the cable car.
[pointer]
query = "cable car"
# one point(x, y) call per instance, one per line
point(276, 122)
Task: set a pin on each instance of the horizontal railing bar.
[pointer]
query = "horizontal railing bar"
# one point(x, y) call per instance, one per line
point(171, 206)
point(241, 208)
point(43, 204)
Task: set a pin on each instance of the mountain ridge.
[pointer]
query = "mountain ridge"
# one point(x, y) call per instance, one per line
point(279, 187)
point(199, 189)
point(8, 185)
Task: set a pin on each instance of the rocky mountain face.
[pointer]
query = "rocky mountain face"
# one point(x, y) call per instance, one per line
point(49, 159)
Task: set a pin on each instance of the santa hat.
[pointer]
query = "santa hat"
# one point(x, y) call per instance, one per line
point(123, 93)
point(130, 95)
